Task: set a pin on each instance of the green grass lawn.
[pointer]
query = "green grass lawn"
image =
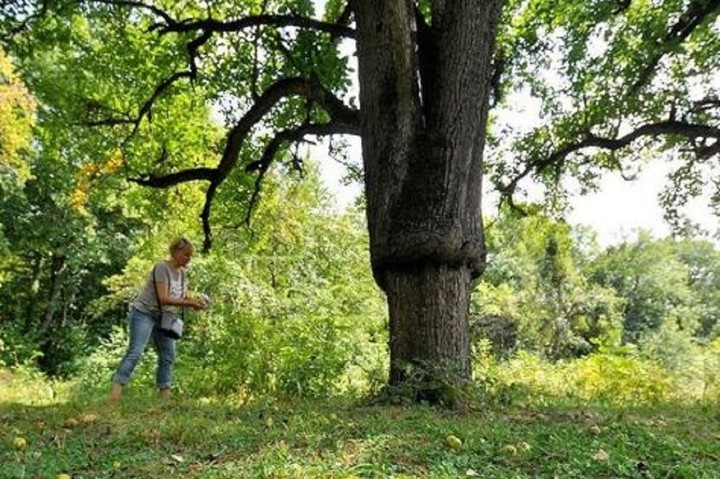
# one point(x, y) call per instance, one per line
point(143, 437)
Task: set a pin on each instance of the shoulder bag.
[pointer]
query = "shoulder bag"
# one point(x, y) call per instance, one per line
point(169, 323)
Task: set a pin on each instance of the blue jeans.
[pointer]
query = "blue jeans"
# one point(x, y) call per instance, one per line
point(142, 327)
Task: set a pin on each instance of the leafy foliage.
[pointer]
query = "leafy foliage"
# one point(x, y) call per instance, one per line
point(617, 84)
point(17, 115)
point(538, 290)
point(664, 283)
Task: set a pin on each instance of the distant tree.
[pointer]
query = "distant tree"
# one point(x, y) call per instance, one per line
point(57, 257)
point(654, 283)
point(702, 259)
point(17, 115)
point(537, 286)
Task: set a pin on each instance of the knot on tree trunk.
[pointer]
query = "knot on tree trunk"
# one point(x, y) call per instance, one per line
point(432, 243)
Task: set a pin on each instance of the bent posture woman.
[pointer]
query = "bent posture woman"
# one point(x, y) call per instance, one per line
point(165, 284)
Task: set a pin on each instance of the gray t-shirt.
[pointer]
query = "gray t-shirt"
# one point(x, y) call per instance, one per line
point(146, 300)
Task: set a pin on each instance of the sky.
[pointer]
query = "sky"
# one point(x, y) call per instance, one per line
point(622, 207)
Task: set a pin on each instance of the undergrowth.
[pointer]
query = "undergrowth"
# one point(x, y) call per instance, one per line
point(497, 436)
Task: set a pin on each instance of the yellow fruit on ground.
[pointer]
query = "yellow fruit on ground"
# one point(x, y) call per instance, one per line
point(453, 442)
point(63, 476)
point(19, 443)
point(509, 449)
point(601, 455)
point(89, 418)
point(70, 423)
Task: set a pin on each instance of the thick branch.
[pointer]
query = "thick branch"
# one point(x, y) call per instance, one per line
point(184, 176)
point(708, 151)
point(706, 104)
point(343, 117)
point(344, 17)
point(670, 127)
point(205, 216)
point(218, 26)
point(289, 136)
point(283, 88)
point(345, 120)
point(193, 48)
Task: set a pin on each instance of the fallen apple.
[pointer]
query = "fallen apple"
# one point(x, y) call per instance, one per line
point(453, 442)
point(19, 443)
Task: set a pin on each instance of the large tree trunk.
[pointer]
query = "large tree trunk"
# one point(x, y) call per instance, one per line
point(428, 323)
point(424, 100)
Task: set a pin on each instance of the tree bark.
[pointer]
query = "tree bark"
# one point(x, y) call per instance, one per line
point(424, 91)
point(429, 332)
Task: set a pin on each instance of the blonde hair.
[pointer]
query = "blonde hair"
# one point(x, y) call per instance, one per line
point(181, 243)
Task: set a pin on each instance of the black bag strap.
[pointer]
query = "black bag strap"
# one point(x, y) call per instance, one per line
point(182, 288)
point(157, 296)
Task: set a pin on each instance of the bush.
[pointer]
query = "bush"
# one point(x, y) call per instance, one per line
point(618, 377)
point(16, 347)
point(25, 384)
point(254, 342)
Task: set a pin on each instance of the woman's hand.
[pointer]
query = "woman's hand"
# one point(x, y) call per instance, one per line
point(195, 303)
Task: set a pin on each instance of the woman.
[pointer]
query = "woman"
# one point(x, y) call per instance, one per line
point(166, 283)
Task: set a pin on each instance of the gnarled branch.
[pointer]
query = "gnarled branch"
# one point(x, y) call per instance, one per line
point(670, 127)
point(218, 26)
point(344, 120)
point(289, 136)
point(184, 176)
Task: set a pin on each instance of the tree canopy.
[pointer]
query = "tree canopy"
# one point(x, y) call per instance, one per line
point(619, 83)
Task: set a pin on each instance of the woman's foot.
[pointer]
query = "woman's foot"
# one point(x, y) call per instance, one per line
point(164, 393)
point(115, 393)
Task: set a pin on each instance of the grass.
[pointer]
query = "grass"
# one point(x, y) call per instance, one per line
point(143, 437)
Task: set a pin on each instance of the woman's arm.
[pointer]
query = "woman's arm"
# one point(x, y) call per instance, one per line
point(163, 291)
